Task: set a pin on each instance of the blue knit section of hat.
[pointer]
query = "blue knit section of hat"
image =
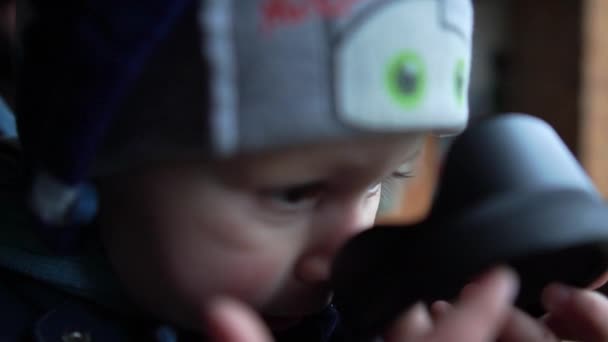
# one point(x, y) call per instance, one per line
point(8, 128)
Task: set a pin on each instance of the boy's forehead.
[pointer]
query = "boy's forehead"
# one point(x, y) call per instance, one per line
point(366, 154)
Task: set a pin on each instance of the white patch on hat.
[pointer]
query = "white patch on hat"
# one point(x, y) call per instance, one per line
point(459, 16)
point(406, 67)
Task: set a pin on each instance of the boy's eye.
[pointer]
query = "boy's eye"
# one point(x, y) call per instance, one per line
point(397, 175)
point(394, 178)
point(388, 184)
point(372, 190)
point(402, 174)
point(295, 197)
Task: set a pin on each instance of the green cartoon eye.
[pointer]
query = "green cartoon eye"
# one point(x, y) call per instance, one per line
point(406, 79)
point(459, 82)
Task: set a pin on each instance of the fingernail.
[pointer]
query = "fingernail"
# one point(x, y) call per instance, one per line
point(556, 296)
point(440, 308)
point(500, 280)
point(512, 282)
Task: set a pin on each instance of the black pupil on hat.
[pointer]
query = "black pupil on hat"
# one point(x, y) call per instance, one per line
point(407, 79)
point(459, 83)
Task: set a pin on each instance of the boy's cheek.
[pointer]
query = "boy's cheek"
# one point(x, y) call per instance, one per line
point(253, 277)
point(190, 285)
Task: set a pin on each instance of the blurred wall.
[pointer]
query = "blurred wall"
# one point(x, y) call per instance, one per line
point(542, 63)
point(593, 140)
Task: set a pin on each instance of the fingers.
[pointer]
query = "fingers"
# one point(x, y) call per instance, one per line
point(522, 327)
point(578, 314)
point(230, 321)
point(480, 314)
point(560, 328)
point(440, 309)
point(413, 324)
point(599, 282)
point(518, 327)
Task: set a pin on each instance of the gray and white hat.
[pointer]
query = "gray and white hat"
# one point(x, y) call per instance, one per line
point(244, 76)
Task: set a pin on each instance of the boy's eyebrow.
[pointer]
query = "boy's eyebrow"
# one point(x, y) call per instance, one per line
point(401, 162)
point(414, 154)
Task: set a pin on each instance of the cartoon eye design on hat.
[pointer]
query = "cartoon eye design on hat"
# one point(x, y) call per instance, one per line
point(459, 82)
point(402, 64)
point(406, 79)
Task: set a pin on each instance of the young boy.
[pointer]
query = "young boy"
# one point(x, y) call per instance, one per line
point(192, 167)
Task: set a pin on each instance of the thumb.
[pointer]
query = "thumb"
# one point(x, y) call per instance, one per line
point(228, 320)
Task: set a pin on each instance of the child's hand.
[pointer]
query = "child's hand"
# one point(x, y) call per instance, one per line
point(576, 314)
point(573, 314)
point(478, 317)
point(230, 321)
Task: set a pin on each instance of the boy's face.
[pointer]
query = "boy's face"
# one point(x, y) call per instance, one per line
point(263, 229)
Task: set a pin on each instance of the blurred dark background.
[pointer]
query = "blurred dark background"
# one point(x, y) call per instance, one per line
point(8, 49)
point(548, 58)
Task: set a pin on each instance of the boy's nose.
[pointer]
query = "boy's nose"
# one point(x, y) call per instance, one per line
point(334, 226)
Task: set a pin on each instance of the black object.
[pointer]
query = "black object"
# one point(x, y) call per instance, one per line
point(510, 193)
